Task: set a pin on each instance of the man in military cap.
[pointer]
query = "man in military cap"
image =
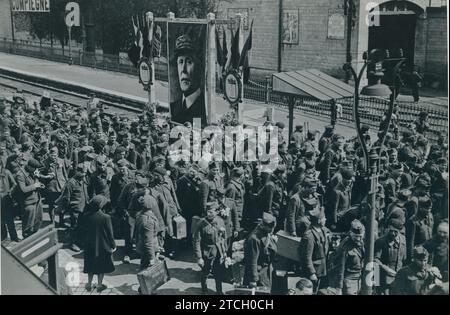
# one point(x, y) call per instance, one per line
point(210, 247)
point(280, 125)
point(236, 190)
point(392, 184)
point(7, 187)
point(190, 69)
point(260, 249)
point(347, 262)
point(99, 181)
point(228, 212)
point(398, 209)
point(147, 227)
point(297, 136)
point(438, 249)
point(73, 200)
point(390, 254)
point(171, 208)
point(300, 204)
point(209, 186)
point(419, 228)
point(422, 125)
point(272, 198)
point(340, 198)
point(30, 196)
point(325, 139)
point(439, 190)
point(57, 174)
point(418, 277)
point(331, 159)
point(314, 248)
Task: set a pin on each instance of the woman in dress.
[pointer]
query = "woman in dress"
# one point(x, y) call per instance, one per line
point(99, 244)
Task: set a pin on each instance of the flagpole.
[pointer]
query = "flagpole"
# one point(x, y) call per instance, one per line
point(211, 70)
point(239, 106)
point(150, 23)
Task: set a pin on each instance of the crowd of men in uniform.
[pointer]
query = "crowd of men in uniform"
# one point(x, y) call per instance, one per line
point(62, 157)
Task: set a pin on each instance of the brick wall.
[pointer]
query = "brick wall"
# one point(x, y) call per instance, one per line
point(315, 49)
point(5, 19)
point(264, 53)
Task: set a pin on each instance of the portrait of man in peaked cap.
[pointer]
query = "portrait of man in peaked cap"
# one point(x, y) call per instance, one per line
point(187, 54)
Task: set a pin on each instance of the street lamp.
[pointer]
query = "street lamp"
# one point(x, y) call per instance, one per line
point(372, 160)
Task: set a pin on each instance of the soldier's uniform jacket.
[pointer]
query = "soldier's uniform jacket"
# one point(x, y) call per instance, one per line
point(391, 187)
point(295, 211)
point(298, 138)
point(347, 263)
point(395, 210)
point(270, 197)
point(75, 195)
point(259, 252)
point(411, 281)
point(340, 199)
point(143, 159)
point(167, 192)
point(323, 143)
point(329, 164)
point(110, 148)
point(391, 254)
point(208, 190)
point(99, 184)
point(206, 238)
point(147, 228)
point(232, 220)
point(418, 231)
point(236, 191)
point(118, 182)
point(7, 183)
point(313, 252)
point(438, 255)
point(188, 197)
point(59, 169)
point(405, 153)
point(124, 198)
point(28, 194)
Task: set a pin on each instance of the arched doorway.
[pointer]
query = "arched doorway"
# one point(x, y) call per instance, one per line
point(397, 27)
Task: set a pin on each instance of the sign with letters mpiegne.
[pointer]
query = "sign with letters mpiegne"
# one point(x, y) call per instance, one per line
point(30, 5)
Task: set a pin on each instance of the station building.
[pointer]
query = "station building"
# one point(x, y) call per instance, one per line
point(301, 34)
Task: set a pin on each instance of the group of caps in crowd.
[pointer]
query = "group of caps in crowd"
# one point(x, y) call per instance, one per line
point(113, 177)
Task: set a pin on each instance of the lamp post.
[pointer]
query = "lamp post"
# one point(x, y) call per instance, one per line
point(371, 161)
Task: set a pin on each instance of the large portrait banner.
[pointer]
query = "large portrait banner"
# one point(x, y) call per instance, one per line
point(187, 52)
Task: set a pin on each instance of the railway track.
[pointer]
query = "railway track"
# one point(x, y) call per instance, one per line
point(35, 90)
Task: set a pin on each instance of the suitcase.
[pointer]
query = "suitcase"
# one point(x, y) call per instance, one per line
point(179, 227)
point(153, 277)
point(288, 246)
point(279, 282)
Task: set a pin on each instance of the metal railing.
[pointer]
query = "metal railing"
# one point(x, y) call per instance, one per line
point(256, 89)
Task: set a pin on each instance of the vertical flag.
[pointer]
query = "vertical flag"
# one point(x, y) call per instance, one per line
point(134, 51)
point(224, 46)
point(235, 53)
point(247, 47)
point(243, 60)
point(220, 57)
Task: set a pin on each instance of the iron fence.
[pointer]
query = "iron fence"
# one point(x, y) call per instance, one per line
point(372, 109)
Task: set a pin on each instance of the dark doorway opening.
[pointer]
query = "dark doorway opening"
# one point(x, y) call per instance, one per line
point(395, 31)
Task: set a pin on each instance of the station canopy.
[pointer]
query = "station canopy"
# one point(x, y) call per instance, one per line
point(311, 83)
